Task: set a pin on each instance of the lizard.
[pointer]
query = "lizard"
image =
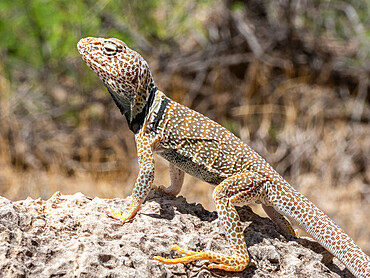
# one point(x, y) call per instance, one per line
point(195, 144)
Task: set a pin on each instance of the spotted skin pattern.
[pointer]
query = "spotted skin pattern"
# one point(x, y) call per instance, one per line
point(194, 144)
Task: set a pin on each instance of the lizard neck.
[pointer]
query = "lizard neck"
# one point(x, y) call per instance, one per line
point(136, 121)
point(137, 107)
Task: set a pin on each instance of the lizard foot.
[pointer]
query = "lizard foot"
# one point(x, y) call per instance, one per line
point(123, 217)
point(289, 229)
point(224, 262)
point(292, 231)
point(167, 190)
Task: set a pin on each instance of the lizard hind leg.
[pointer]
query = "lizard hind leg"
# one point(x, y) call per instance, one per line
point(280, 220)
point(177, 180)
point(238, 188)
point(232, 264)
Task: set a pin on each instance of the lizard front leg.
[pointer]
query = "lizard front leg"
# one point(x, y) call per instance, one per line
point(143, 182)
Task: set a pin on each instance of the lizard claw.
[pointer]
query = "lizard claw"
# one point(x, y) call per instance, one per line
point(296, 232)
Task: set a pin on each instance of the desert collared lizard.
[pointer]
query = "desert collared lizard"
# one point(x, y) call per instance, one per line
point(194, 144)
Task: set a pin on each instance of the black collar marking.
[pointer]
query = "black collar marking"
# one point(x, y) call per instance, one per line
point(160, 113)
point(136, 124)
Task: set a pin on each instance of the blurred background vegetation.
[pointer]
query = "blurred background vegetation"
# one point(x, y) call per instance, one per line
point(291, 78)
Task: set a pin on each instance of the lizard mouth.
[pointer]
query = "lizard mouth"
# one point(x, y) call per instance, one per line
point(84, 45)
point(81, 45)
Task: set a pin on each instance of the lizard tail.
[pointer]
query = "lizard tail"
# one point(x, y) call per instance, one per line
point(303, 212)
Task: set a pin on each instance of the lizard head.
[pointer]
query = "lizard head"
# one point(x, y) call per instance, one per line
point(123, 71)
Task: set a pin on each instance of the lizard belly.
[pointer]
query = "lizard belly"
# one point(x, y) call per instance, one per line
point(187, 165)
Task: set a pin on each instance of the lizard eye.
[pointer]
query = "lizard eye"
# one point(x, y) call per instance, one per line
point(109, 48)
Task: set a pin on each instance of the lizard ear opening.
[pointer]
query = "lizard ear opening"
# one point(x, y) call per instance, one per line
point(142, 75)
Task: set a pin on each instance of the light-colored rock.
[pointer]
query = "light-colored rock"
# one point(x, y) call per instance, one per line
point(73, 236)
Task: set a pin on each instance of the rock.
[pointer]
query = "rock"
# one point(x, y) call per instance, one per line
point(73, 236)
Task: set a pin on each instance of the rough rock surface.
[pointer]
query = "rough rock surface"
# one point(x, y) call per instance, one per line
point(72, 236)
